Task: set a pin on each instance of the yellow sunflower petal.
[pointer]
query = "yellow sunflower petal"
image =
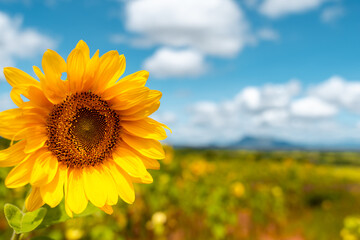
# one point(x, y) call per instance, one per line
point(108, 66)
point(53, 192)
point(145, 128)
point(39, 113)
point(146, 179)
point(9, 126)
point(44, 169)
point(15, 96)
point(100, 188)
point(94, 186)
point(10, 114)
point(76, 64)
point(39, 73)
point(75, 195)
point(34, 200)
point(91, 68)
point(66, 184)
point(19, 79)
point(151, 100)
point(53, 96)
point(112, 195)
point(123, 182)
point(129, 161)
point(129, 98)
point(20, 175)
point(36, 96)
point(143, 113)
point(150, 163)
point(53, 65)
point(107, 209)
point(15, 122)
point(84, 48)
point(143, 110)
point(36, 140)
point(119, 71)
point(13, 155)
point(147, 147)
point(68, 210)
point(135, 80)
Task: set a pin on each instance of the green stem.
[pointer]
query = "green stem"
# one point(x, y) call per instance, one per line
point(16, 236)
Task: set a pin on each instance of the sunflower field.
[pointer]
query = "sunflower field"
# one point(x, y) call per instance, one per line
point(224, 194)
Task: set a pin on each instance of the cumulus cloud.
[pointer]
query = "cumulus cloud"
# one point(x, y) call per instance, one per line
point(167, 62)
point(340, 92)
point(284, 111)
point(312, 107)
point(251, 109)
point(17, 42)
point(216, 27)
point(279, 8)
point(331, 14)
point(272, 117)
point(255, 99)
point(168, 118)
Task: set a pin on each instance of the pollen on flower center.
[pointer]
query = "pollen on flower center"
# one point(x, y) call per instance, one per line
point(88, 128)
point(83, 130)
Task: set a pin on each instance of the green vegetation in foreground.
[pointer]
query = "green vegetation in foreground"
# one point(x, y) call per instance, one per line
point(219, 194)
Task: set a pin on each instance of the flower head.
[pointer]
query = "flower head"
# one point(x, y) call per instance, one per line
point(86, 138)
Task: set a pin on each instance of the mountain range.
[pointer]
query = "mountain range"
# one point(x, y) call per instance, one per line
point(270, 144)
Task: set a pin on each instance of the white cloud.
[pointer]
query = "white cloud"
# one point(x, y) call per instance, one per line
point(282, 111)
point(203, 111)
point(340, 92)
point(168, 118)
point(254, 99)
point(167, 62)
point(216, 27)
point(272, 117)
point(279, 8)
point(17, 42)
point(331, 14)
point(251, 110)
point(249, 99)
point(312, 107)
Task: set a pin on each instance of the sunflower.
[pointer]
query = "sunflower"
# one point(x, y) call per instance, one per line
point(85, 138)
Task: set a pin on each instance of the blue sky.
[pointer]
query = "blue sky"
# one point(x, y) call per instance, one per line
point(287, 69)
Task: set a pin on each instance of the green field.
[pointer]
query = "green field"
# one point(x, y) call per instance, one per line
point(220, 194)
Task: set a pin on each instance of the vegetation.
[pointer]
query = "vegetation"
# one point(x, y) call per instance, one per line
point(220, 194)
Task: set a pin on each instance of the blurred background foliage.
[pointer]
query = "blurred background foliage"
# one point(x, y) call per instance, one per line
point(226, 194)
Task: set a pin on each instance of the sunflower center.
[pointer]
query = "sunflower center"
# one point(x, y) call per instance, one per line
point(83, 130)
point(88, 127)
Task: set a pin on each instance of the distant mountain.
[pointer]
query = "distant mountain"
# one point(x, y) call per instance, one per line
point(263, 143)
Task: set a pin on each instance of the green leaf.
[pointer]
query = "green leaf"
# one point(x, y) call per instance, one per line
point(33, 219)
point(58, 214)
point(23, 222)
point(14, 216)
